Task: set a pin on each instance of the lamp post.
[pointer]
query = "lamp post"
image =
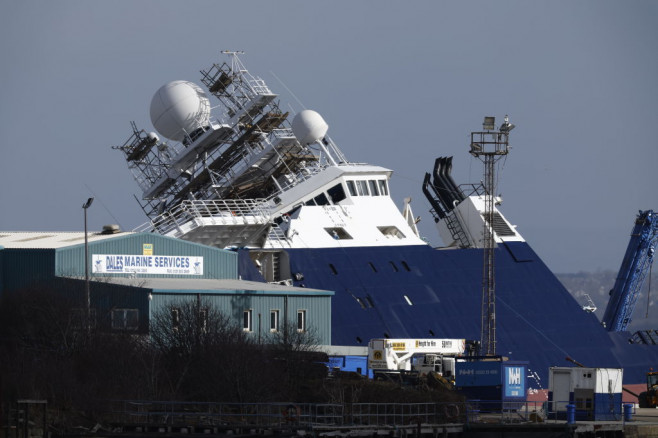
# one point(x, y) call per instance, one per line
point(85, 206)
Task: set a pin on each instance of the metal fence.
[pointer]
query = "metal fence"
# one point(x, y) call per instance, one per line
point(156, 414)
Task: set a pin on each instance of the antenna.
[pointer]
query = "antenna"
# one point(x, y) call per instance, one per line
point(489, 146)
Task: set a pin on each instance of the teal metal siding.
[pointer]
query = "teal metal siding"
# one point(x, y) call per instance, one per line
point(22, 268)
point(235, 302)
point(218, 263)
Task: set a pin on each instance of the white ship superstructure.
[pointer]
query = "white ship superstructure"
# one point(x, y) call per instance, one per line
point(241, 175)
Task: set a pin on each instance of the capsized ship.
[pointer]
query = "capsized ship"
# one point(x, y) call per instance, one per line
point(275, 188)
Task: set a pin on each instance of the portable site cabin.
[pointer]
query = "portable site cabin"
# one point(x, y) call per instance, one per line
point(594, 392)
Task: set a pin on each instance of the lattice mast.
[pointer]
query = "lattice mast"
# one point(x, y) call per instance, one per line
point(489, 146)
point(223, 156)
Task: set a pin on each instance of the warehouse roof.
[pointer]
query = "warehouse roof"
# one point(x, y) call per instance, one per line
point(201, 285)
point(51, 240)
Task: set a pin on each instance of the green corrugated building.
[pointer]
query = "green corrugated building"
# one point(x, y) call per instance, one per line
point(133, 275)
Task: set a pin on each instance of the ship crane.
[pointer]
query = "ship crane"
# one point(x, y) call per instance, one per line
point(634, 267)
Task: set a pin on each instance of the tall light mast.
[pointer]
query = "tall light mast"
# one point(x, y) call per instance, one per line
point(489, 146)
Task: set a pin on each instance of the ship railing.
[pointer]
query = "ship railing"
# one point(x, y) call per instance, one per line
point(190, 214)
point(473, 189)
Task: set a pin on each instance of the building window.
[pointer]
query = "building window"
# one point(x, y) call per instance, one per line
point(203, 319)
point(301, 320)
point(125, 319)
point(175, 318)
point(274, 320)
point(79, 318)
point(247, 321)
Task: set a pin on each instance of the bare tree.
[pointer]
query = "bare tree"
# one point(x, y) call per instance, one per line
point(204, 354)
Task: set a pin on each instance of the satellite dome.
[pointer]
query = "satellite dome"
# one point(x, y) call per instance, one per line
point(309, 127)
point(179, 107)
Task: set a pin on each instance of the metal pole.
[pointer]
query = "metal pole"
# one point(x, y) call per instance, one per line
point(85, 206)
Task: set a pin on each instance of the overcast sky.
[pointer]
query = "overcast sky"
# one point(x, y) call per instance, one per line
point(399, 82)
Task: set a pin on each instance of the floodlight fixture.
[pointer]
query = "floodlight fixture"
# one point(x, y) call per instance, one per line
point(489, 123)
point(507, 126)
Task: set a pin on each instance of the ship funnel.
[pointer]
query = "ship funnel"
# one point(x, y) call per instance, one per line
point(309, 127)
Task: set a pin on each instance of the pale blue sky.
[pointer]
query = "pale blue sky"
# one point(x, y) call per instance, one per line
point(400, 83)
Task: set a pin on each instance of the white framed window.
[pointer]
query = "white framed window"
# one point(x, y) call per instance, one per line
point(301, 320)
point(175, 318)
point(274, 320)
point(203, 319)
point(247, 321)
point(125, 319)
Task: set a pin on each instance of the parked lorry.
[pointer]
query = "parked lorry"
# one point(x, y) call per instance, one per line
point(407, 360)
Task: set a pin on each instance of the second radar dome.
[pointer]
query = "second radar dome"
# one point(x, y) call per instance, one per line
point(309, 127)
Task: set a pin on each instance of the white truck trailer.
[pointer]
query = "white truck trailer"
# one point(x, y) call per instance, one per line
point(415, 357)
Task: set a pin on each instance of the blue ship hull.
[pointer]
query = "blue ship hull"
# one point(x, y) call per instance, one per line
point(421, 292)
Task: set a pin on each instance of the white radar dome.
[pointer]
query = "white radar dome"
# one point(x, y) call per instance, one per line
point(309, 127)
point(179, 107)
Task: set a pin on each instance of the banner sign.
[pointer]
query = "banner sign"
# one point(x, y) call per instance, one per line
point(146, 264)
point(515, 381)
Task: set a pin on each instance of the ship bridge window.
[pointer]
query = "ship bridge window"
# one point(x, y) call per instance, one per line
point(391, 231)
point(374, 190)
point(362, 187)
point(321, 199)
point(351, 187)
point(336, 193)
point(338, 233)
point(383, 188)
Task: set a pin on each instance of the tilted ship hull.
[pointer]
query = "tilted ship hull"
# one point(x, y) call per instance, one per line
point(298, 212)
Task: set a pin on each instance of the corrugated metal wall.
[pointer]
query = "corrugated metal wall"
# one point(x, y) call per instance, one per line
point(218, 263)
point(24, 267)
point(235, 302)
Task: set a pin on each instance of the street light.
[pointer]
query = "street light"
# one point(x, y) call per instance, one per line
point(85, 206)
